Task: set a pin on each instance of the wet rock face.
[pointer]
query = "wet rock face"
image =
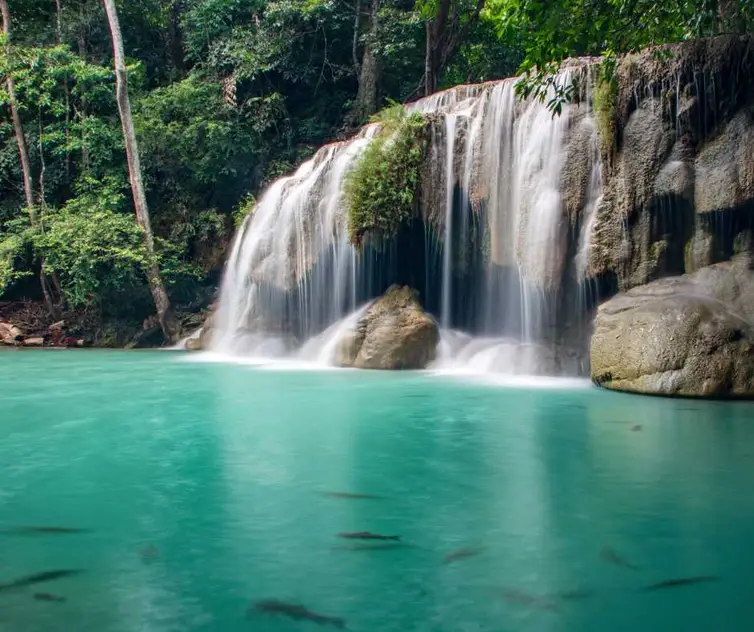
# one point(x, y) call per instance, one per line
point(394, 333)
point(725, 167)
point(690, 335)
point(679, 190)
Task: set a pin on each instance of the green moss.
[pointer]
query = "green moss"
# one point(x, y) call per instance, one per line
point(486, 243)
point(245, 207)
point(605, 106)
point(381, 189)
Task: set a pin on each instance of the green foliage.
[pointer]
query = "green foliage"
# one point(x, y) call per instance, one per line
point(186, 153)
point(381, 188)
point(13, 248)
point(97, 255)
point(245, 208)
point(482, 56)
point(550, 32)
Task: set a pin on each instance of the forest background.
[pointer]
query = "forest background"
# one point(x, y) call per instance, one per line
point(225, 96)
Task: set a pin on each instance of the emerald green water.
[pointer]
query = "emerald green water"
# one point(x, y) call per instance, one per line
point(220, 469)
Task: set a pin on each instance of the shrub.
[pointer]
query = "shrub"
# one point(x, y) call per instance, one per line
point(382, 186)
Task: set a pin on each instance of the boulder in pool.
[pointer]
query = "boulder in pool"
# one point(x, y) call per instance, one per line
point(685, 336)
point(393, 333)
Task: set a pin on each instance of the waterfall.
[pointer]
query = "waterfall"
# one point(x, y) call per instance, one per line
point(594, 197)
point(495, 207)
point(447, 259)
point(291, 271)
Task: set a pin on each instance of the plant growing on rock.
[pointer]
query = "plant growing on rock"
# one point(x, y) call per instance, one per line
point(605, 101)
point(382, 187)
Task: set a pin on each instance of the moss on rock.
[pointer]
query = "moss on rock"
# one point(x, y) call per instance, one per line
point(382, 188)
point(605, 102)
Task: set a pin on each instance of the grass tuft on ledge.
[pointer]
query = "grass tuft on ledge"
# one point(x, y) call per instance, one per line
point(382, 187)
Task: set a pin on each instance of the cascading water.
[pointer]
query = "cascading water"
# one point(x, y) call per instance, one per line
point(291, 270)
point(447, 259)
point(506, 241)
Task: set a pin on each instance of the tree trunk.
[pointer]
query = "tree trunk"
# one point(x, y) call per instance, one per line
point(435, 35)
point(368, 95)
point(18, 129)
point(430, 80)
point(444, 33)
point(175, 39)
point(356, 35)
point(727, 16)
point(82, 108)
point(59, 41)
point(160, 296)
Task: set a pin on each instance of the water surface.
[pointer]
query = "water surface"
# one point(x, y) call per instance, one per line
point(218, 470)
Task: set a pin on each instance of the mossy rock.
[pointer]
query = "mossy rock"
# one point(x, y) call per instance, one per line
point(382, 188)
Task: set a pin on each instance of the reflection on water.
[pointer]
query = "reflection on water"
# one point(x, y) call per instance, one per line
point(206, 488)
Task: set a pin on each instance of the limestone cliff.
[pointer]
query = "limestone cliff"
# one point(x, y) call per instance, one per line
point(678, 203)
point(679, 176)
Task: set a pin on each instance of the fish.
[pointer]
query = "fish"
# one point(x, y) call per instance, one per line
point(373, 546)
point(149, 553)
point(48, 597)
point(350, 496)
point(463, 553)
point(367, 535)
point(38, 578)
point(608, 554)
point(46, 530)
point(532, 601)
point(681, 581)
point(296, 612)
point(574, 594)
point(637, 428)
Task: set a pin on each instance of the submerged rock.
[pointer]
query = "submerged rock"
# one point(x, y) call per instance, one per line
point(393, 333)
point(688, 336)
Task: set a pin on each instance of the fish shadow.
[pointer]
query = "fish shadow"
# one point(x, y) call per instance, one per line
point(374, 546)
point(680, 582)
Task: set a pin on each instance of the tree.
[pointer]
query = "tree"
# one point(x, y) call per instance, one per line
point(156, 286)
point(18, 129)
point(554, 30)
point(367, 97)
point(446, 24)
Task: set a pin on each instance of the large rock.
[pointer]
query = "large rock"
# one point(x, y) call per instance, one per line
point(687, 336)
point(200, 339)
point(393, 333)
point(9, 333)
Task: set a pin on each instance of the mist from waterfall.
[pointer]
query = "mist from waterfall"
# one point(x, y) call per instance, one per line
point(496, 256)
